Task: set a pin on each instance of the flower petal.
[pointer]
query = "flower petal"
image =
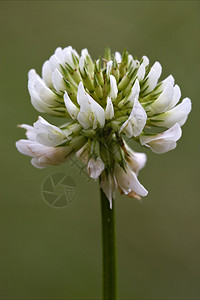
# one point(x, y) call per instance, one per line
point(108, 68)
point(128, 181)
point(118, 57)
point(72, 109)
point(152, 78)
point(162, 102)
point(46, 74)
point(47, 134)
point(113, 88)
point(95, 167)
point(135, 160)
point(176, 97)
point(91, 113)
point(30, 132)
point(137, 120)
point(163, 142)
point(58, 81)
point(109, 186)
point(109, 111)
point(178, 114)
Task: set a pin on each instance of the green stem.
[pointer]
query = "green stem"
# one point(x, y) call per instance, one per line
point(109, 249)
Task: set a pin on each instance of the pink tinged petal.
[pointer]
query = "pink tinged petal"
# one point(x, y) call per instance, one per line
point(109, 186)
point(178, 114)
point(109, 111)
point(30, 132)
point(23, 147)
point(162, 102)
point(39, 163)
point(113, 88)
point(95, 167)
point(72, 109)
point(163, 142)
point(128, 181)
point(44, 154)
point(58, 81)
point(153, 77)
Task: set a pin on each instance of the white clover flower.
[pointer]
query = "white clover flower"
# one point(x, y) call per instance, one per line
point(104, 102)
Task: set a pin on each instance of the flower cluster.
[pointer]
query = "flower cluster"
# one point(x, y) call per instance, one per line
point(103, 103)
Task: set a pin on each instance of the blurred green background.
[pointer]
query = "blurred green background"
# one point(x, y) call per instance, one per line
point(49, 253)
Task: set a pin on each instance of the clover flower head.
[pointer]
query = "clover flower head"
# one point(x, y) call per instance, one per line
point(103, 103)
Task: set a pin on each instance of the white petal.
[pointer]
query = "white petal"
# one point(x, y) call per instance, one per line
point(176, 97)
point(153, 77)
point(145, 60)
point(113, 88)
point(141, 72)
point(68, 52)
point(46, 74)
point(47, 134)
point(82, 64)
point(109, 186)
point(118, 57)
point(95, 167)
point(58, 81)
point(40, 162)
point(71, 107)
point(134, 94)
point(91, 113)
point(169, 79)
point(138, 161)
point(178, 114)
point(84, 153)
point(55, 61)
point(51, 155)
point(59, 53)
point(38, 86)
point(109, 111)
point(163, 142)
point(130, 62)
point(30, 132)
point(84, 53)
point(135, 160)
point(128, 181)
point(23, 147)
point(109, 67)
point(162, 102)
point(137, 119)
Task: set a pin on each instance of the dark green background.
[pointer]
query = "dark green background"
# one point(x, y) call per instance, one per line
point(49, 253)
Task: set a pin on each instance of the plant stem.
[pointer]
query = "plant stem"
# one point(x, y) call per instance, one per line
point(109, 249)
